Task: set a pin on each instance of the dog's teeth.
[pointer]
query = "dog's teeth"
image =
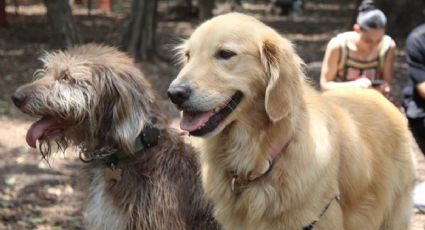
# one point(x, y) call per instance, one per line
point(216, 110)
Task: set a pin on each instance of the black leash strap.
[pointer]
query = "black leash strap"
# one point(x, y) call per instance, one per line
point(312, 224)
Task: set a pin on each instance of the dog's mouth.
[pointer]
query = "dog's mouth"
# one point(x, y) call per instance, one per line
point(199, 123)
point(46, 127)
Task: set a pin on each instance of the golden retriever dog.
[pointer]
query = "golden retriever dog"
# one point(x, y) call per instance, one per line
point(141, 175)
point(277, 154)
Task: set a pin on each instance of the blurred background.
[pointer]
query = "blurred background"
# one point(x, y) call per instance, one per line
point(36, 195)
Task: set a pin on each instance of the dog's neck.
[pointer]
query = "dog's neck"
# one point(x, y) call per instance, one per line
point(239, 179)
point(148, 137)
point(248, 150)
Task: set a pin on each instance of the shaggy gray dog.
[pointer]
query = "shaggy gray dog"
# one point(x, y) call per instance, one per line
point(141, 174)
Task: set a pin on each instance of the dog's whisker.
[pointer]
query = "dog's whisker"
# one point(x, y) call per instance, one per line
point(179, 53)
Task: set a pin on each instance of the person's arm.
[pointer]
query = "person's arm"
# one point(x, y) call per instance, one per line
point(330, 64)
point(421, 90)
point(330, 69)
point(388, 66)
point(415, 53)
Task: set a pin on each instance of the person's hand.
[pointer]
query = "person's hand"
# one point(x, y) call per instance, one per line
point(363, 82)
point(383, 88)
point(353, 74)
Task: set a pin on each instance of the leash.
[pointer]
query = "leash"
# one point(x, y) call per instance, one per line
point(241, 180)
point(314, 222)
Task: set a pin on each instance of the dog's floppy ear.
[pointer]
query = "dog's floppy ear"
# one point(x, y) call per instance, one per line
point(128, 116)
point(283, 69)
point(128, 96)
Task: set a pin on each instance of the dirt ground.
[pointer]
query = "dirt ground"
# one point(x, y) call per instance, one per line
point(36, 195)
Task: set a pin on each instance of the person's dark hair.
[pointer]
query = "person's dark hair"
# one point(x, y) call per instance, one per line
point(370, 17)
point(366, 5)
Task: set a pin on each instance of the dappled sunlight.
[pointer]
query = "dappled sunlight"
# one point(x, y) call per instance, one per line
point(12, 53)
point(23, 10)
point(32, 192)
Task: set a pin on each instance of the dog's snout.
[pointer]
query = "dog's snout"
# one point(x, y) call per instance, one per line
point(179, 93)
point(18, 98)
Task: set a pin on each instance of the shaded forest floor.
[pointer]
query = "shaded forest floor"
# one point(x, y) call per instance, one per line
point(34, 195)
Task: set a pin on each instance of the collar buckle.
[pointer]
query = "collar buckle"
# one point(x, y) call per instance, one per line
point(150, 136)
point(243, 180)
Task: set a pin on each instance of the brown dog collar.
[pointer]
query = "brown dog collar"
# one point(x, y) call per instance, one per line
point(241, 180)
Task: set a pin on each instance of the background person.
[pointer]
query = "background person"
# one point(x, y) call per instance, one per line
point(362, 58)
point(414, 98)
point(414, 94)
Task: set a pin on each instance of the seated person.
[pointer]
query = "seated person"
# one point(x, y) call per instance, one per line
point(362, 58)
point(414, 98)
point(414, 93)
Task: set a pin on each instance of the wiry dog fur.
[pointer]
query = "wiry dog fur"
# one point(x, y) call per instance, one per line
point(351, 142)
point(97, 98)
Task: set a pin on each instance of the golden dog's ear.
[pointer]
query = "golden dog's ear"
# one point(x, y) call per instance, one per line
point(283, 69)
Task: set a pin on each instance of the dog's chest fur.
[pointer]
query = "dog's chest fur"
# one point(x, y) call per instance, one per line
point(160, 189)
point(268, 202)
point(100, 211)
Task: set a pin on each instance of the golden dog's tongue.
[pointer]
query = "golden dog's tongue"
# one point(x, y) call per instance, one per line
point(39, 128)
point(192, 121)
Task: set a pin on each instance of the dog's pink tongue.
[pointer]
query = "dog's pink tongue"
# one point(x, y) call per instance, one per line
point(192, 121)
point(37, 130)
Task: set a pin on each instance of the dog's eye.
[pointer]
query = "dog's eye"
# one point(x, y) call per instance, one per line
point(225, 54)
point(187, 54)
point(65, 77)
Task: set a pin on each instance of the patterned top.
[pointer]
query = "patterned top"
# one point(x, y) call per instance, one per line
point(350, 69)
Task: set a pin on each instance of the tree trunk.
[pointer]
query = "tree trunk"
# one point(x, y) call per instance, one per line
point(354, 15)
point(190, 10)
point(60, 18)
point(402, 15)
point(182, 10)
point(185, 3)
point(189, 5)
point(3, 20)
point(236, 5)
point(205, 9)
point(139, 36)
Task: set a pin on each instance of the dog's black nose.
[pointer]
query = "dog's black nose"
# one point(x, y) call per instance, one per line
point(179, 93)
point(18, 98)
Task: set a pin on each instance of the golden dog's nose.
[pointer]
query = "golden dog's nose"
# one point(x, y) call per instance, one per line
point(18, 98)
point(179, 93)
